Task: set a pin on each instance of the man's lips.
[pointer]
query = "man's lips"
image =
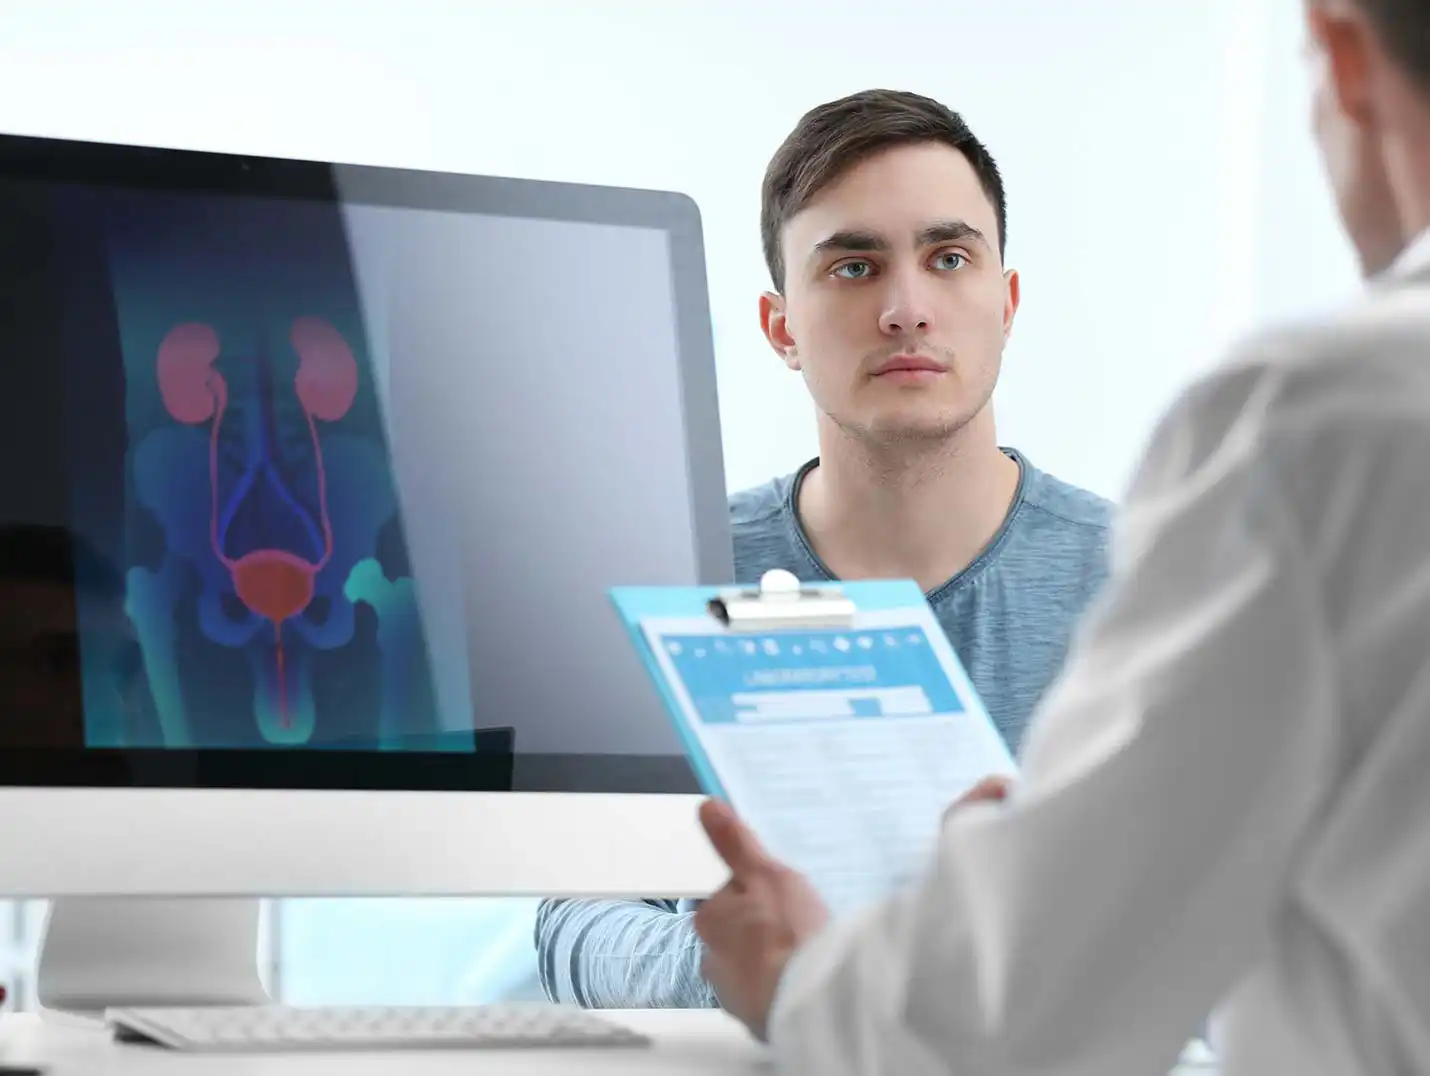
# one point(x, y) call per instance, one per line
point(910, 365)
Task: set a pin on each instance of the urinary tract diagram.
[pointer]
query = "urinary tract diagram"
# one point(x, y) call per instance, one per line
point(272, 510)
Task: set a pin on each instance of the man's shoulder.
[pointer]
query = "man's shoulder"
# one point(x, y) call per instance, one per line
point(764, 533)
point(761, 506)
point(1065, 505)
point(1378, 335)
point(1379, 343)
point(1355, 360)
point(1058, 537)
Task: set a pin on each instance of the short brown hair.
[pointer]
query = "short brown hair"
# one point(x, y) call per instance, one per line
point(832, 138)
point(1404, 30)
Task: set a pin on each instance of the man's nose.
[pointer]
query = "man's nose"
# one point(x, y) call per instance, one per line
point(908, 307)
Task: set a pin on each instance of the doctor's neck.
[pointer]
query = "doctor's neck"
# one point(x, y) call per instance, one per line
point(920, 508)
point(1405, 153)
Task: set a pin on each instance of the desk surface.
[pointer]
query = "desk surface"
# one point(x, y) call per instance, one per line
point(687, 1043)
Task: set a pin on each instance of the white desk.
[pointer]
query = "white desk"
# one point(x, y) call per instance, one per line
point(687, 1043)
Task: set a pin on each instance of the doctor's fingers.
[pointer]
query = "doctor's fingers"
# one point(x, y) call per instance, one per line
point(989, 790)
point(734, 841)
point(731, 913)
point(712, 913)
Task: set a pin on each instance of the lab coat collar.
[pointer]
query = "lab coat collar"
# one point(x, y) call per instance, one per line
point(1414, 260)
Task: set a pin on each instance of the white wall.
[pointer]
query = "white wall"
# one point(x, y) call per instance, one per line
point(1164, 193)
point(1129, 132)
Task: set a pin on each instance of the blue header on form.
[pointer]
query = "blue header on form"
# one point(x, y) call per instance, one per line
point(816, 675)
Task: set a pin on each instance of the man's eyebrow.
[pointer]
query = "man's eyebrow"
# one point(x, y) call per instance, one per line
point(950, 231)
point(850, 240)
point(858, 241)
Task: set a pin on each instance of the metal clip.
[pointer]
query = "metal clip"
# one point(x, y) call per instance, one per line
point(781, 602)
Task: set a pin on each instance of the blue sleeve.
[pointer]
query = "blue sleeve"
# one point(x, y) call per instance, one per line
point(621, 954)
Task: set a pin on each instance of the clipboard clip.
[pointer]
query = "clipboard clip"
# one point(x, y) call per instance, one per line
point(780, 602)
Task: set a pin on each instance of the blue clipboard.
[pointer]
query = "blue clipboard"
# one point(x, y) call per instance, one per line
point(836, 719)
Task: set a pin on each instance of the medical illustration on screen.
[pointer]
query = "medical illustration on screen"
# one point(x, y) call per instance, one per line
point(265, 576)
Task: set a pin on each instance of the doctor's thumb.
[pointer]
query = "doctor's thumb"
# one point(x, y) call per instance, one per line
point(731, 838)
point(989, 790)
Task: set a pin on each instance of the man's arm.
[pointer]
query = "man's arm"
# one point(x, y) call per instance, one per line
point(1087, 925)
point(620, 954)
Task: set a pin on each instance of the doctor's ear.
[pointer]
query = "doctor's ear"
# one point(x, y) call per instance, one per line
point(775, 326)
point(1012, 296)
point(1344, 40)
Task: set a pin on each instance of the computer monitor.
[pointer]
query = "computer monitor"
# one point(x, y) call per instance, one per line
point(313, 481)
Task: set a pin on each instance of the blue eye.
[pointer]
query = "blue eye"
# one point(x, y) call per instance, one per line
point(864, 269)
point(942, 260)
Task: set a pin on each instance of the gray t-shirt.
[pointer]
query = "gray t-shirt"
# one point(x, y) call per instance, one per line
point(1010, 616)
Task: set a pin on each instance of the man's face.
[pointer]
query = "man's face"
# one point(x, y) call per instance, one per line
point(896, 306)
point(1345, 121)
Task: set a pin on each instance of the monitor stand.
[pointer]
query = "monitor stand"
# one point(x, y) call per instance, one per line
point(98, 953)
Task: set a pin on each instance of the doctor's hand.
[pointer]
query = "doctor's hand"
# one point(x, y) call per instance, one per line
point(989, 790)
point(755, 923)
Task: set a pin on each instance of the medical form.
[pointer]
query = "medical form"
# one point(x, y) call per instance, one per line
point(840, 746)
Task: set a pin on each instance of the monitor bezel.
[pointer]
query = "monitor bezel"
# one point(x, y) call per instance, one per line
point(489, 768)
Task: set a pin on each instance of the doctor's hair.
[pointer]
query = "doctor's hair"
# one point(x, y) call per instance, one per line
point(1403, 27)
point(833, 137)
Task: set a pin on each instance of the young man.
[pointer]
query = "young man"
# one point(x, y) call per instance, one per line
point(884, 228)
point(1225, 797)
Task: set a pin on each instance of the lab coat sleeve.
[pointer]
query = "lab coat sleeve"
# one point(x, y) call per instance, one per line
point(1088, 925)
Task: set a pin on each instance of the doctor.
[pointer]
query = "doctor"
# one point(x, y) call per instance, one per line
point(1225, 799)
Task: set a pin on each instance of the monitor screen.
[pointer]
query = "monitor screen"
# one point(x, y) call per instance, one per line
point(318, 476)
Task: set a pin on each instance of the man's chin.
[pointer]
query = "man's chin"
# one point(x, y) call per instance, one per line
point(907, 430)
point(909, 425)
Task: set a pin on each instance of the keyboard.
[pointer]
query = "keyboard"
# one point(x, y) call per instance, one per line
point(252, 1029)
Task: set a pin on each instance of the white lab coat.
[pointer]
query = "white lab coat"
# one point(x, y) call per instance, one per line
point(1225, 799)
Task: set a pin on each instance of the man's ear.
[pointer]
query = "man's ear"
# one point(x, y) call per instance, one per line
point(1344, 39)
point(1012, 288)
point(776, 328)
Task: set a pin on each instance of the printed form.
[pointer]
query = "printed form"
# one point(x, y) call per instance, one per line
point(841, 748)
